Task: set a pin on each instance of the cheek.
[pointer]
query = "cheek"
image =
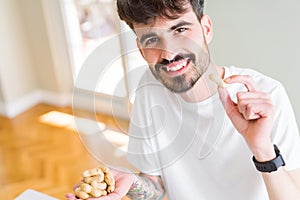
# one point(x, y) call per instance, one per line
point(151, 56)
point(193, 42)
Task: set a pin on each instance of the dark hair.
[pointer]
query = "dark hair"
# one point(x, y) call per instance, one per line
point(146, 11)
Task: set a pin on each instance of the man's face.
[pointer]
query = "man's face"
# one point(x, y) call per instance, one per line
point(175, 50)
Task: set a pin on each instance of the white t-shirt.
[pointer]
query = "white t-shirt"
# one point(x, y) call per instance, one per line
point(194, 146)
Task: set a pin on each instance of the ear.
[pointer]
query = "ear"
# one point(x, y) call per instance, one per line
point(207, 28)
point(139, 46)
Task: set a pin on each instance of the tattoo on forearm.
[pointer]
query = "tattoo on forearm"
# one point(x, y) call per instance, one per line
point(145, 188)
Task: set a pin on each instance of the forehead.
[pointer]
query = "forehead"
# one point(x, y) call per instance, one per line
point(163, 23)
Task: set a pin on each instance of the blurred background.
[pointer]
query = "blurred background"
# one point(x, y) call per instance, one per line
point(45, 45)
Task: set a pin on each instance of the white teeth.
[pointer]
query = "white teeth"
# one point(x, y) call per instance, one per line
point(177, 67)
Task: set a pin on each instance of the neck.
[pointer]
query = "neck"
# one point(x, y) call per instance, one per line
point(204, 87)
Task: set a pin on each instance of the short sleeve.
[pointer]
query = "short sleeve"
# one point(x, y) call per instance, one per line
point(285, 132)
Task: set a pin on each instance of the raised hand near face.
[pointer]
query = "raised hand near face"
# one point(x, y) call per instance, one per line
point(252, 115)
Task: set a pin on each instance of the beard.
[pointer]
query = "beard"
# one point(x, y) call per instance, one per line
point(186, 81)
point(180, 84)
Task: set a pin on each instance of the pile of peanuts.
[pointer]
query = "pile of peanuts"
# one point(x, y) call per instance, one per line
point(96, 183)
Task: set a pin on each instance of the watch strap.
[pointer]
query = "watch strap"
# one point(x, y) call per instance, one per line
point(272, 165)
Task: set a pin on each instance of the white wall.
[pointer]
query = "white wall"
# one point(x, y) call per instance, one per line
point(17, 72)
point(263, 35)
point(29, 68)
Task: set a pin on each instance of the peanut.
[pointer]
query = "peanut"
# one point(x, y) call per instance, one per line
point(92, 172)
point(104, 169)
point(98, 178)
point(109, 179)
point(96, 182)
point(86, 187)
point(110, 189)
point(96, 192)
point(101, 185)
point(81, 194)
point(218, 80)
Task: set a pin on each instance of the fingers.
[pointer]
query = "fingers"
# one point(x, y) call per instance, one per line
point(254, 105)
point(250, 105)
point(109, 197)
point(112, 196)
point(247, 80)
point(229, 105)
point(76, 185)
point(70, 196)
point(254, 109)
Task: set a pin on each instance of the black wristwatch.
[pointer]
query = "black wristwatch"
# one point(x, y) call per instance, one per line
point(272, 165)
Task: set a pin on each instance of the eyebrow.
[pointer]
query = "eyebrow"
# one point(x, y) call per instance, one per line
point(172, 28)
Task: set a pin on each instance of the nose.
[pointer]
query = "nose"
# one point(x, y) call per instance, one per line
point(168, 55)
point(168, 50)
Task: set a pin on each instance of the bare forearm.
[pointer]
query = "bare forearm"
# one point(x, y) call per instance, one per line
point(144, 188)
point(281, 185)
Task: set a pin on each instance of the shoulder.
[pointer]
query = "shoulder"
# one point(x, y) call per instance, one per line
point(265, 82)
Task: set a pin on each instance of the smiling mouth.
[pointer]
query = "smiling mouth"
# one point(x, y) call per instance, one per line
point(175, 67)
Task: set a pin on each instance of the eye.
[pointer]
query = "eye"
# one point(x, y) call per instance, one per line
point(151, 41)
point(181, 30)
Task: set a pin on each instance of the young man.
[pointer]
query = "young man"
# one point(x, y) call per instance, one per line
point(192, 139)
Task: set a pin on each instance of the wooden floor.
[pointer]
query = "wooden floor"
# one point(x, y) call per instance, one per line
point(42, 156)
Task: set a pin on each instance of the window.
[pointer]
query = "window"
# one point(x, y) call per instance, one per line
point(91, 24)
point(104, 56)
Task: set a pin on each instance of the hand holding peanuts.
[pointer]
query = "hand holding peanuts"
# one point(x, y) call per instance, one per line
point(96, 183)
point(122, 183)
